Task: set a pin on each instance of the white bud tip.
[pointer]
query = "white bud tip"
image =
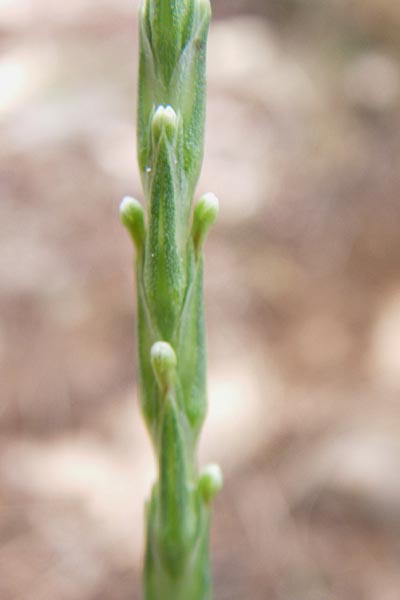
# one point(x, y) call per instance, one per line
point(210, 202)
point(165, 115)
point(214, 473)
point(210, 481)
point(127, 204)
point(163, 357)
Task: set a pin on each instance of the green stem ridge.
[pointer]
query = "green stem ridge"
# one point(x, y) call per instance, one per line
point(169, 274)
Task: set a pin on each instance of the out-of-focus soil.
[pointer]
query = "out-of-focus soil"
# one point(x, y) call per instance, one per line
point(302, 287)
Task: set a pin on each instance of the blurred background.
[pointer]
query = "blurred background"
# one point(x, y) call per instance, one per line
point(302, 287)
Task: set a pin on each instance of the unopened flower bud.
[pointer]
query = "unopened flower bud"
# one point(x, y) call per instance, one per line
point(163, 360)
point(164, 119)
point(204, 215)
point(132, 217)
point(210, 481)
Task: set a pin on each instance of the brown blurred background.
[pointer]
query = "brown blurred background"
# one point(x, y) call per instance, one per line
point(302, 293)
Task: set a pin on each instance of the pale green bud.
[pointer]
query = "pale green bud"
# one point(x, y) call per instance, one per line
point(163, 361)
point(132, 217)
point(164, 119)
point(204, 215)
point(210, 482)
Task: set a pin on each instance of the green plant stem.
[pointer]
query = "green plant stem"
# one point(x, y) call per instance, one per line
point(169, 272)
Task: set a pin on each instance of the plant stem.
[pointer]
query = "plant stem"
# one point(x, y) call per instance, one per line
point(169, 271)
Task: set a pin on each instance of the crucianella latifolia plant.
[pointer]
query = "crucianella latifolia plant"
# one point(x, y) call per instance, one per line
point(168, 237)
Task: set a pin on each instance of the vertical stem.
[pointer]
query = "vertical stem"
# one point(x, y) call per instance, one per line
point(170, 327)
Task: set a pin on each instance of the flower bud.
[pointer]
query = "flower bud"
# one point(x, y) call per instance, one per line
point(204, 215)
point(164, 119)
point(163, 361)
point(132, 217)
point(210, 482)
